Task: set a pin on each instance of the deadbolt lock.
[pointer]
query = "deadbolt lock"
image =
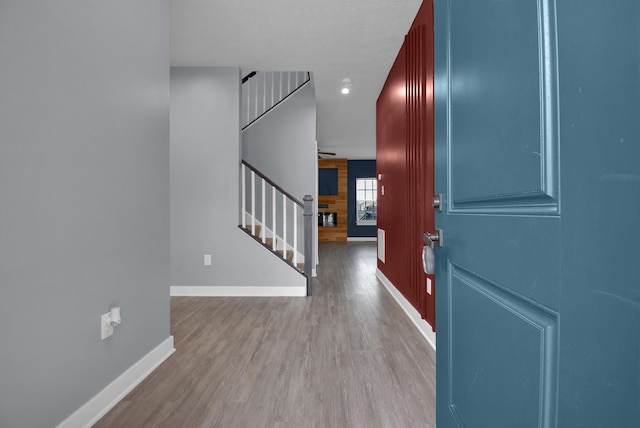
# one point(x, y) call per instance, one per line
point(436, 202)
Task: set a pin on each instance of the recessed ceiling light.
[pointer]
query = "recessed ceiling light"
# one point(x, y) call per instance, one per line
point(346, 86)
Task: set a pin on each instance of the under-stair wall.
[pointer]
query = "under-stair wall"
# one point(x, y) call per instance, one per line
point(205, 183)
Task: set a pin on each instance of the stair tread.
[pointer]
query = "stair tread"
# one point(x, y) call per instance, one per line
point(257, 231)
point(288, 255)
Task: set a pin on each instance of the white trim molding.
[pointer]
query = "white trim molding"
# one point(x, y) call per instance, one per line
point(238, 291)
point(362, 239)
point(105, 400)
point(414, 316)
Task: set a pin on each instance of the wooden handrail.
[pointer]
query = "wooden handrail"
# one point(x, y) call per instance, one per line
point(249, 76)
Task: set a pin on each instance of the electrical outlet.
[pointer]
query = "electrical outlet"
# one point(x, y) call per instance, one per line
point(106, 329)
point(207, 259)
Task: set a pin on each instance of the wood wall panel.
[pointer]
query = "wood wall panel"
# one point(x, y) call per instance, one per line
point(390, 165)
point(337, 204)
point(405, 158)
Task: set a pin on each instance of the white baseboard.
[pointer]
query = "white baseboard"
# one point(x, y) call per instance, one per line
point(105, 400)
point(362, 239)
point(230, 291)
point(423, 326)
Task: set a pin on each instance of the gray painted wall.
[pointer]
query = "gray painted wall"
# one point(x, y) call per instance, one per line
point(205, 171)
point(282, 144)
point(84, 191)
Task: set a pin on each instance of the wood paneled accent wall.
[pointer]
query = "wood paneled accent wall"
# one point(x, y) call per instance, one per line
point(420, 167)
point(404, 156)
point(337, 204)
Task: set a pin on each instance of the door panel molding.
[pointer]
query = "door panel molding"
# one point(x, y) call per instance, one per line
point(536, 190)
point(480, 307)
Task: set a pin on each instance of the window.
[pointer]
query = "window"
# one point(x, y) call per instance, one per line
point(366, 201)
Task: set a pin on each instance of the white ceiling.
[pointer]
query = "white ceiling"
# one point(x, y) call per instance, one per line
point(334, 39)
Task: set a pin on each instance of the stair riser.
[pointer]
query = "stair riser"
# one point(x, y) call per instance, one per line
point(288, 256)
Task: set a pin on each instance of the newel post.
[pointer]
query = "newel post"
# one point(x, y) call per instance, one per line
point(308, 239)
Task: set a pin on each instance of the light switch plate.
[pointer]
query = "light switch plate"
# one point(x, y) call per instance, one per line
point(207, 259)
point(429, 286)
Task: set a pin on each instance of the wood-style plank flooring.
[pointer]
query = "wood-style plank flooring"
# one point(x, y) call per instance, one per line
point(345, 357)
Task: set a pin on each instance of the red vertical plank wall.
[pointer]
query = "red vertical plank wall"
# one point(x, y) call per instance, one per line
point(390, 165)
point(404, 158)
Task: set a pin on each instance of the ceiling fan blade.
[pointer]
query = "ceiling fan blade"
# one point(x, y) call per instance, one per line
point(326, 153)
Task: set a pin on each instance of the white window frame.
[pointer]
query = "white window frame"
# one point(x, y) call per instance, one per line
point(366, 193)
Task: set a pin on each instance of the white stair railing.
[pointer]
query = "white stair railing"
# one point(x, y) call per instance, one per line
point(282, 211)
point(263, 90)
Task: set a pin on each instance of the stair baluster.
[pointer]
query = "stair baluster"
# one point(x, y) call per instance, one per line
point(243, 211)
point(263, 234)
point(273, 218)
point(253, 202)
point(284, 226)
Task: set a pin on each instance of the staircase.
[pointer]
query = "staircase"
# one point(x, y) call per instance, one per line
point(271, 243)
point(275, 219)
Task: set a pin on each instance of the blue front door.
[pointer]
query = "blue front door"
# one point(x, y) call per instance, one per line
point(537, 150)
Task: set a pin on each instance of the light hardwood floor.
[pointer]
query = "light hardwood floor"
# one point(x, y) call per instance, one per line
point(345, 357)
